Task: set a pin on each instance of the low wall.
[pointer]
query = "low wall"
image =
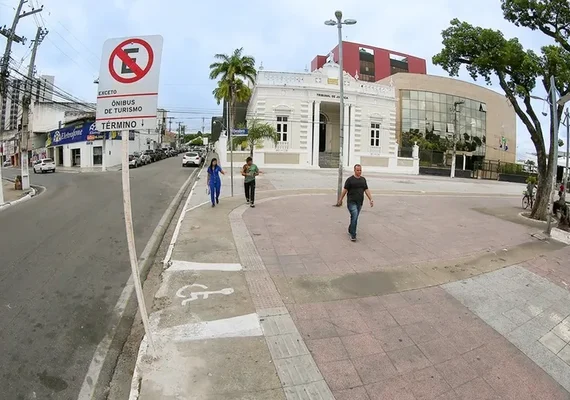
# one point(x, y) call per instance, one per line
point(459, 173)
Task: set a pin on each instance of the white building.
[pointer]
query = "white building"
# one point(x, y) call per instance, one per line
point(305, 110)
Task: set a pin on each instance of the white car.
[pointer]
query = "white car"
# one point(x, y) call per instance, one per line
point(45, 165)
point(191, 159)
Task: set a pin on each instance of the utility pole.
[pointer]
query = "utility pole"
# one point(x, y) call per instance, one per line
point(27, 101)
point(455, 130)
point(169, 123)
point(11, 37)
point(179, 133)
point(203, 125)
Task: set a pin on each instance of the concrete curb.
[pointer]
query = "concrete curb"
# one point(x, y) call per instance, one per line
point(110, 347)
point(32, 193)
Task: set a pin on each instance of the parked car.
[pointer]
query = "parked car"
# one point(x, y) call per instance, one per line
point(45, 165)
point(7, 163)
point(142, 158)
point(145, 159)
point(134, 161)
point(191, 159)
point(153, 156)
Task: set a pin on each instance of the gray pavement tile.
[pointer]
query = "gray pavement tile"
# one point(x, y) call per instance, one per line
point(502, 324)
point(278, 325)
point(297, 370)
point(562, 330)
point(517, 316)
point(284, 346)
point(564, 354)
point(553, 342)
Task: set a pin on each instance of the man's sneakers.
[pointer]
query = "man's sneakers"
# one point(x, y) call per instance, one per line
point(252, 205)
point(353, 238)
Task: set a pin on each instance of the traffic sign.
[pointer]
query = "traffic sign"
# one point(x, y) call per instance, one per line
point(127, 97)
point(239, 132)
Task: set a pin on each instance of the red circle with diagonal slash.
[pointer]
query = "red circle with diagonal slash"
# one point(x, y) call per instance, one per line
point(133, 66)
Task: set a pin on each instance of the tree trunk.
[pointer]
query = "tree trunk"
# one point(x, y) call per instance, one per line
point(251, 150)
point(545, 176)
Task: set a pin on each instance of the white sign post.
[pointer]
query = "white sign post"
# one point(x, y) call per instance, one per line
point(127, 97)
point(127, 100)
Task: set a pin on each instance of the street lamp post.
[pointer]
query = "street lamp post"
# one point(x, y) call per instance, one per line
point(455, 129)
point(339, 23)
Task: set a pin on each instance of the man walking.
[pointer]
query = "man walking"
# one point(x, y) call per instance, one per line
point(249, 171)
point(355, 186)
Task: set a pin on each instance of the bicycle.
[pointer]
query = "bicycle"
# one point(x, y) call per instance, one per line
point(527, 200)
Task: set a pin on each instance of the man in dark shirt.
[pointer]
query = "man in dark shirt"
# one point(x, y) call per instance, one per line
point(356, 187)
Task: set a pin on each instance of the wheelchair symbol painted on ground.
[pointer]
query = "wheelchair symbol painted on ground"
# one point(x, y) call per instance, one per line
point(197, 295)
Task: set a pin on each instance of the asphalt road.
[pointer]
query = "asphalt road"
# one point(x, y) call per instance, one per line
point(63, 264)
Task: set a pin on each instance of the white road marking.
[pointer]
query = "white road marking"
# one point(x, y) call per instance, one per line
point(241, 326)
point(204, 294)
point(176, 265)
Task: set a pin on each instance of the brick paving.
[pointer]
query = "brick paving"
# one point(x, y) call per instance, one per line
point(421, 344)
point(305, 235)
point(553, 266)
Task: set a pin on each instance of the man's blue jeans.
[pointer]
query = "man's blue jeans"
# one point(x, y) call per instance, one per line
point(354, 210)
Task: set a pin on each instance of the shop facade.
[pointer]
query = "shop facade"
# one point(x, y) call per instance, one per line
point(82, 146)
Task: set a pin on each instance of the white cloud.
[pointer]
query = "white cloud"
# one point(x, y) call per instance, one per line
point(284, 35)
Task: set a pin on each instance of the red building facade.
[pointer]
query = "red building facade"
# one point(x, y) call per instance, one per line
point(372, 63)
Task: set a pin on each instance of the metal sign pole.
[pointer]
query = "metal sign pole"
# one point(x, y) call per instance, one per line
point(229, 131)
point(128, 212)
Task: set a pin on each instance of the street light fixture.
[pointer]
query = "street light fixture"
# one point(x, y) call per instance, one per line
point(339, 23)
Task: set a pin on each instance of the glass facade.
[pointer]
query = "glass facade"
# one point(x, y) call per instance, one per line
point(429, 112)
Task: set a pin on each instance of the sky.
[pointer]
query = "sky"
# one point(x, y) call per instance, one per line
point(284, 36)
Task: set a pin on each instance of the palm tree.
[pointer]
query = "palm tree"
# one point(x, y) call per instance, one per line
point(257, 132)
point(232, 71)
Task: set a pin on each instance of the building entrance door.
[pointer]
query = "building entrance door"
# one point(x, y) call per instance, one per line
point(59, 158)
point(76, 157)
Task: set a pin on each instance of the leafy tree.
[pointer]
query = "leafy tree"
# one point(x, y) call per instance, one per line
point(231, 71)
point(257, 132)
point(551, 17)
point(197, 141)
point(486, 53)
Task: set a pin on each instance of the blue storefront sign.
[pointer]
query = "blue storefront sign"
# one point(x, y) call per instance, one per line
point(83, 132)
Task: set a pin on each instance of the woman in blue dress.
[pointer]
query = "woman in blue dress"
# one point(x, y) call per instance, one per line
point(214, 181)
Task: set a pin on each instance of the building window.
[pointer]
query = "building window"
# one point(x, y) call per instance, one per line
point(283, 128)
point(375, 134)
point(97, 155)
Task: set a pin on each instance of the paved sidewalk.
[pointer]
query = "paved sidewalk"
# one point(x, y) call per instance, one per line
point(11, 194)
point(440, 298)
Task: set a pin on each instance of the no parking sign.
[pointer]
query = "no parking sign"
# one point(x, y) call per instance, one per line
point(128, 83)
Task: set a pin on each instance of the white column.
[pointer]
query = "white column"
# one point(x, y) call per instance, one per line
point(316, 130)
point(464, 161)
point(345, 143)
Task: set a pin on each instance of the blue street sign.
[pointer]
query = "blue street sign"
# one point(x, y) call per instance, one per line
point(239, 132)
